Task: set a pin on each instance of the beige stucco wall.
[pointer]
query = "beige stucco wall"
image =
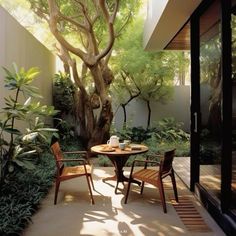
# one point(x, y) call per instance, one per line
point(19, 46)
point(178, 107)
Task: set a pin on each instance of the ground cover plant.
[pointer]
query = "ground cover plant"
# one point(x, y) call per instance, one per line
point(20, 196)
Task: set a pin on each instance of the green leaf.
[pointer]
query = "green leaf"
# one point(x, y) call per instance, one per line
point(28, 101)
point(48, 129)
point(12, 131)
point(30, 137)
point(28, 153)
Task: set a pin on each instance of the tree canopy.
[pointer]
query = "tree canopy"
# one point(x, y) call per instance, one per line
point(146, 75)
point(86, 32)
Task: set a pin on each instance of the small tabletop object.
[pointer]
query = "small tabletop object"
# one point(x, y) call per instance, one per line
point(118, 158)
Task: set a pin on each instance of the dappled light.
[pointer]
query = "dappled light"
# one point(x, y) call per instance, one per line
point(109, 216)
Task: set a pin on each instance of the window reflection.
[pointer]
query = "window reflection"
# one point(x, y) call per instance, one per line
point(233, 185)
point(210, 100)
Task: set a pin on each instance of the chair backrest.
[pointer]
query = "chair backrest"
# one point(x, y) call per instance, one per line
point(166, 163)
point(58, 155)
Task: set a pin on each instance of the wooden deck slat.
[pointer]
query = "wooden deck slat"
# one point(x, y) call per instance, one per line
point(190, 216)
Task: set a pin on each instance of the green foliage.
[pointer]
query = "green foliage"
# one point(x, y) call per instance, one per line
point(210, 148)
point(168, 129)
point(63, 100)
point(18, 148)
point(73, 10)
point(104, 161)
point(65, 129)
point(155, 146)
point(21, 195)
point(135, 134)
point(148, 76)
point(63, 93)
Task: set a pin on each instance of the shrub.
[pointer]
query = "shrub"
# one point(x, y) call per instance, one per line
point(170, 130)
point(21, 195)
point(104, 161)
point(17, 149)
point(166, 129)
point(63, 100)
point(63, 93)
point(135, 134)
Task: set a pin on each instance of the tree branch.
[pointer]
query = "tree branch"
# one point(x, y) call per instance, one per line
point(110, 24)
point(118, 33)
point(53, 21)
point(74, 22)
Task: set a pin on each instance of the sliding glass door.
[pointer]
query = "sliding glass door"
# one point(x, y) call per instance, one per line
point(210, 100)
point(233, 182)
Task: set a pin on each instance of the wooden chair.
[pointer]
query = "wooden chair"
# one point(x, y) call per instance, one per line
point(155, 176)
point(69, 172)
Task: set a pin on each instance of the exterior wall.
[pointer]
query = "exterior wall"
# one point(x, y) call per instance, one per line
point(178, 107)
point(19, 46)
point(164, 19)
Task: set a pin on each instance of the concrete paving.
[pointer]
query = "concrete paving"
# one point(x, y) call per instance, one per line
point(142, 215)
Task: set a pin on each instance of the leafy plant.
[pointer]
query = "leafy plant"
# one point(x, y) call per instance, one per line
point(63, 100)
point(18, 148)
point(135, 134)
point(169, 129)
point(21, 195)
point(63, 93)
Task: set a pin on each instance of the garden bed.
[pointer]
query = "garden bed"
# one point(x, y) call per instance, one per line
point(21, 194)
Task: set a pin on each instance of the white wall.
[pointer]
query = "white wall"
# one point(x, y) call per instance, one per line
point(19, 46)
point(178, 107)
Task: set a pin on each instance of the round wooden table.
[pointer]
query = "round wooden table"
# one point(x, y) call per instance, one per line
point(118, 158)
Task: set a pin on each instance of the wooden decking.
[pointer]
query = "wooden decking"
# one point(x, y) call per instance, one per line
point(210, 175)
point(182, 168)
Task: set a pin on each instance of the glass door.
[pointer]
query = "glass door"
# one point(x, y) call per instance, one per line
point(233, 182)
point(210, 100)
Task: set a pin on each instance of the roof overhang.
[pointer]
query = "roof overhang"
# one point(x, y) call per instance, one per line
point(164, 20)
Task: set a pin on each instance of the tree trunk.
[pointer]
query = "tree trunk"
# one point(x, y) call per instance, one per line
point(125, 116)
point(149, 114)
point(182, 72)
point(95, 130)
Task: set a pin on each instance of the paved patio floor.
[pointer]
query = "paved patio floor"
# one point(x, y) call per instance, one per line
point(142, 215)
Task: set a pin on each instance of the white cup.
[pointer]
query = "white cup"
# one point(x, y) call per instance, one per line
point(122, 146)
point(127, 143)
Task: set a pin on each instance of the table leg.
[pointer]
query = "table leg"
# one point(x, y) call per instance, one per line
point(119, 162)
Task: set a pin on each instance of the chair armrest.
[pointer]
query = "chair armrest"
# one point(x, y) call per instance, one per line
point(85, 154)
point(153, 154)
point(146, 162)
point(76, 152)
point(73, 160)
point(64, 160)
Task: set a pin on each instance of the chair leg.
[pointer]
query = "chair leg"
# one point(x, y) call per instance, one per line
point(127, 193)
point(91, 179)
point(142, 187)
point(174, 185)
point(117, 184)
point(162, 195)
point(90, 190)
point(56, 191)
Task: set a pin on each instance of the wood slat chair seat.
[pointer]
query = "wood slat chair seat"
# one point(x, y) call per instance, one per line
point(69, 172)
point(74, 171)
point(146, 175)
point(155, 176)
